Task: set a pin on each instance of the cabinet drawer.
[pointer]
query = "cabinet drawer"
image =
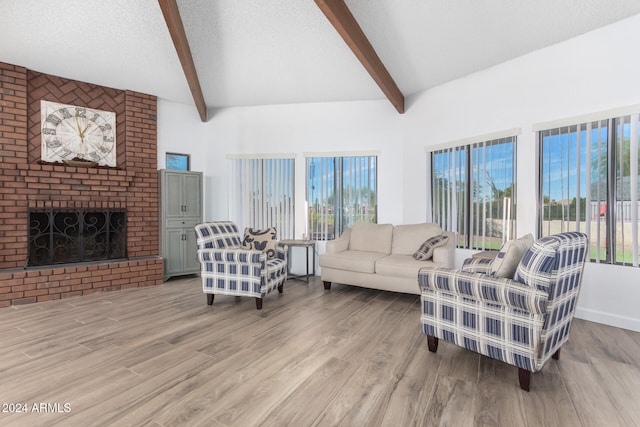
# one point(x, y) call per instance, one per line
point(182, 223)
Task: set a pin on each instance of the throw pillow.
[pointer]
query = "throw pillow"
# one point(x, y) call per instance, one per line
point(538, 263)
point(425, 251)
point(262, 240)
point(507, 260)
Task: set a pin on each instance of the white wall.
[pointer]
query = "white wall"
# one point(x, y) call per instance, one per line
point(321, 127)
point(181, 131)
point(298, 129)
point(593, 72)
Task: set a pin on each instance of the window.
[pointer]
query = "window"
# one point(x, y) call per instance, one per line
point(261, 194)
point(178, 161)
point(473, 192)
point(340, 192)
point(589, 183)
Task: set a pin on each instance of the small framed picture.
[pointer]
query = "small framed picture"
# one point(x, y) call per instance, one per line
point(178, 161)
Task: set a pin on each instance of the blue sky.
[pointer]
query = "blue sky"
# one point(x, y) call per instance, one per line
point(559, 154)
point(494, 163)
point(354, 172)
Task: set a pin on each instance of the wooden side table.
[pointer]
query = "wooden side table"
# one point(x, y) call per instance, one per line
point(307, 244)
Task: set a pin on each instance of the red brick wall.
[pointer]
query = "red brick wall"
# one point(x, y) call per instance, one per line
point(25, 183)
point(43, 284)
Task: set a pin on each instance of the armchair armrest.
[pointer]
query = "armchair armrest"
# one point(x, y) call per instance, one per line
point(340, 244)
point(232, 255)
point(480, 287)
point(477, 265)
point(281, 251)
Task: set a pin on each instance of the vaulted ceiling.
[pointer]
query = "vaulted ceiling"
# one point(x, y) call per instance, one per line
point(255, 52)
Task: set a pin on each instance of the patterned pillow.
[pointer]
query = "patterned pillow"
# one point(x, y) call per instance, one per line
point(538, 263)
point(262, 240)
point(425, 251)
point(507, 260)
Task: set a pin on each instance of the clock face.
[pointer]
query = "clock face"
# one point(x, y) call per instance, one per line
point(69, 132)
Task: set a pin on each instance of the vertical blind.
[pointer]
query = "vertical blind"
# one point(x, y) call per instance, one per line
point(473, 192)
point(262, 194)
point(340, 192)
point(589, 183)
point(448, 193)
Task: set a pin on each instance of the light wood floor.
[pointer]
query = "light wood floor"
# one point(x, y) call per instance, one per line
point(160, 356)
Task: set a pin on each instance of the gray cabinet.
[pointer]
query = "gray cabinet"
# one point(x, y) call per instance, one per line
point(181, 210)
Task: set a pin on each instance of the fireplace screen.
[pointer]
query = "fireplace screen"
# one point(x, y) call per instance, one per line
point(60, 236)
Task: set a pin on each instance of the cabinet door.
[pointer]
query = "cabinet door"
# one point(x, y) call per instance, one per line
point(191, 263)
point(172, 195)
point(173, 253)
point(192, 195)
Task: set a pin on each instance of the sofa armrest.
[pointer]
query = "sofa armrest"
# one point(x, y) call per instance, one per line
point(340, 244)
point(480, 287)
point(477, 265)
point(446, 255)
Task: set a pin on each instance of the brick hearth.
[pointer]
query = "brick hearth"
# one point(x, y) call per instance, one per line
point(27, 184)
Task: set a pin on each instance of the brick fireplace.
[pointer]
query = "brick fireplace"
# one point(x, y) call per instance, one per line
point(27, 185)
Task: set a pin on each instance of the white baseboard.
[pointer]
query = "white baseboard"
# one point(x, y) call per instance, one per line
point(624, 322)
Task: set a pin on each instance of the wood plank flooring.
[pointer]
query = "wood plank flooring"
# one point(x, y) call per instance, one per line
point(159, 356)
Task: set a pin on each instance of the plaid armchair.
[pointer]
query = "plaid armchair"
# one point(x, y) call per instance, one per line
point(521, 321)
point(229, 269)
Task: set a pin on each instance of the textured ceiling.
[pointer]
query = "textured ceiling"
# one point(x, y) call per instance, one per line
point(253, 52)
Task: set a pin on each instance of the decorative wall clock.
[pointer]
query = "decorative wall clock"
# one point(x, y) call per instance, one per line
point(70, 132)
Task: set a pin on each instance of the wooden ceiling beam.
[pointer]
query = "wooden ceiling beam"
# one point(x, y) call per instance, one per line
point(343, 21)
point(179, 37)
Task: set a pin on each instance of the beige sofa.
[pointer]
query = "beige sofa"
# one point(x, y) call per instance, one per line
point(380, 256)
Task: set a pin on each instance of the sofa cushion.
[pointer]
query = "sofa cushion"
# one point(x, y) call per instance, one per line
point(262, 240)
point(425, 251)
point(400, 266)
point(358, 261)
point(509, 256)
point(369, 237)
point(408, 237)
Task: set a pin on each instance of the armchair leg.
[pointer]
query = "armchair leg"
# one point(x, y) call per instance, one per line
point(210, 299)
point(258, 303)
point(524, 377)
point(432, 342)
point(556, 355)
point(281, 288)
point(327, 285)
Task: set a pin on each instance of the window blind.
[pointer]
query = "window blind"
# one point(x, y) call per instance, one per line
point(473, 192)
point(340, 192)
point(262, 194)
point(589, 182)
